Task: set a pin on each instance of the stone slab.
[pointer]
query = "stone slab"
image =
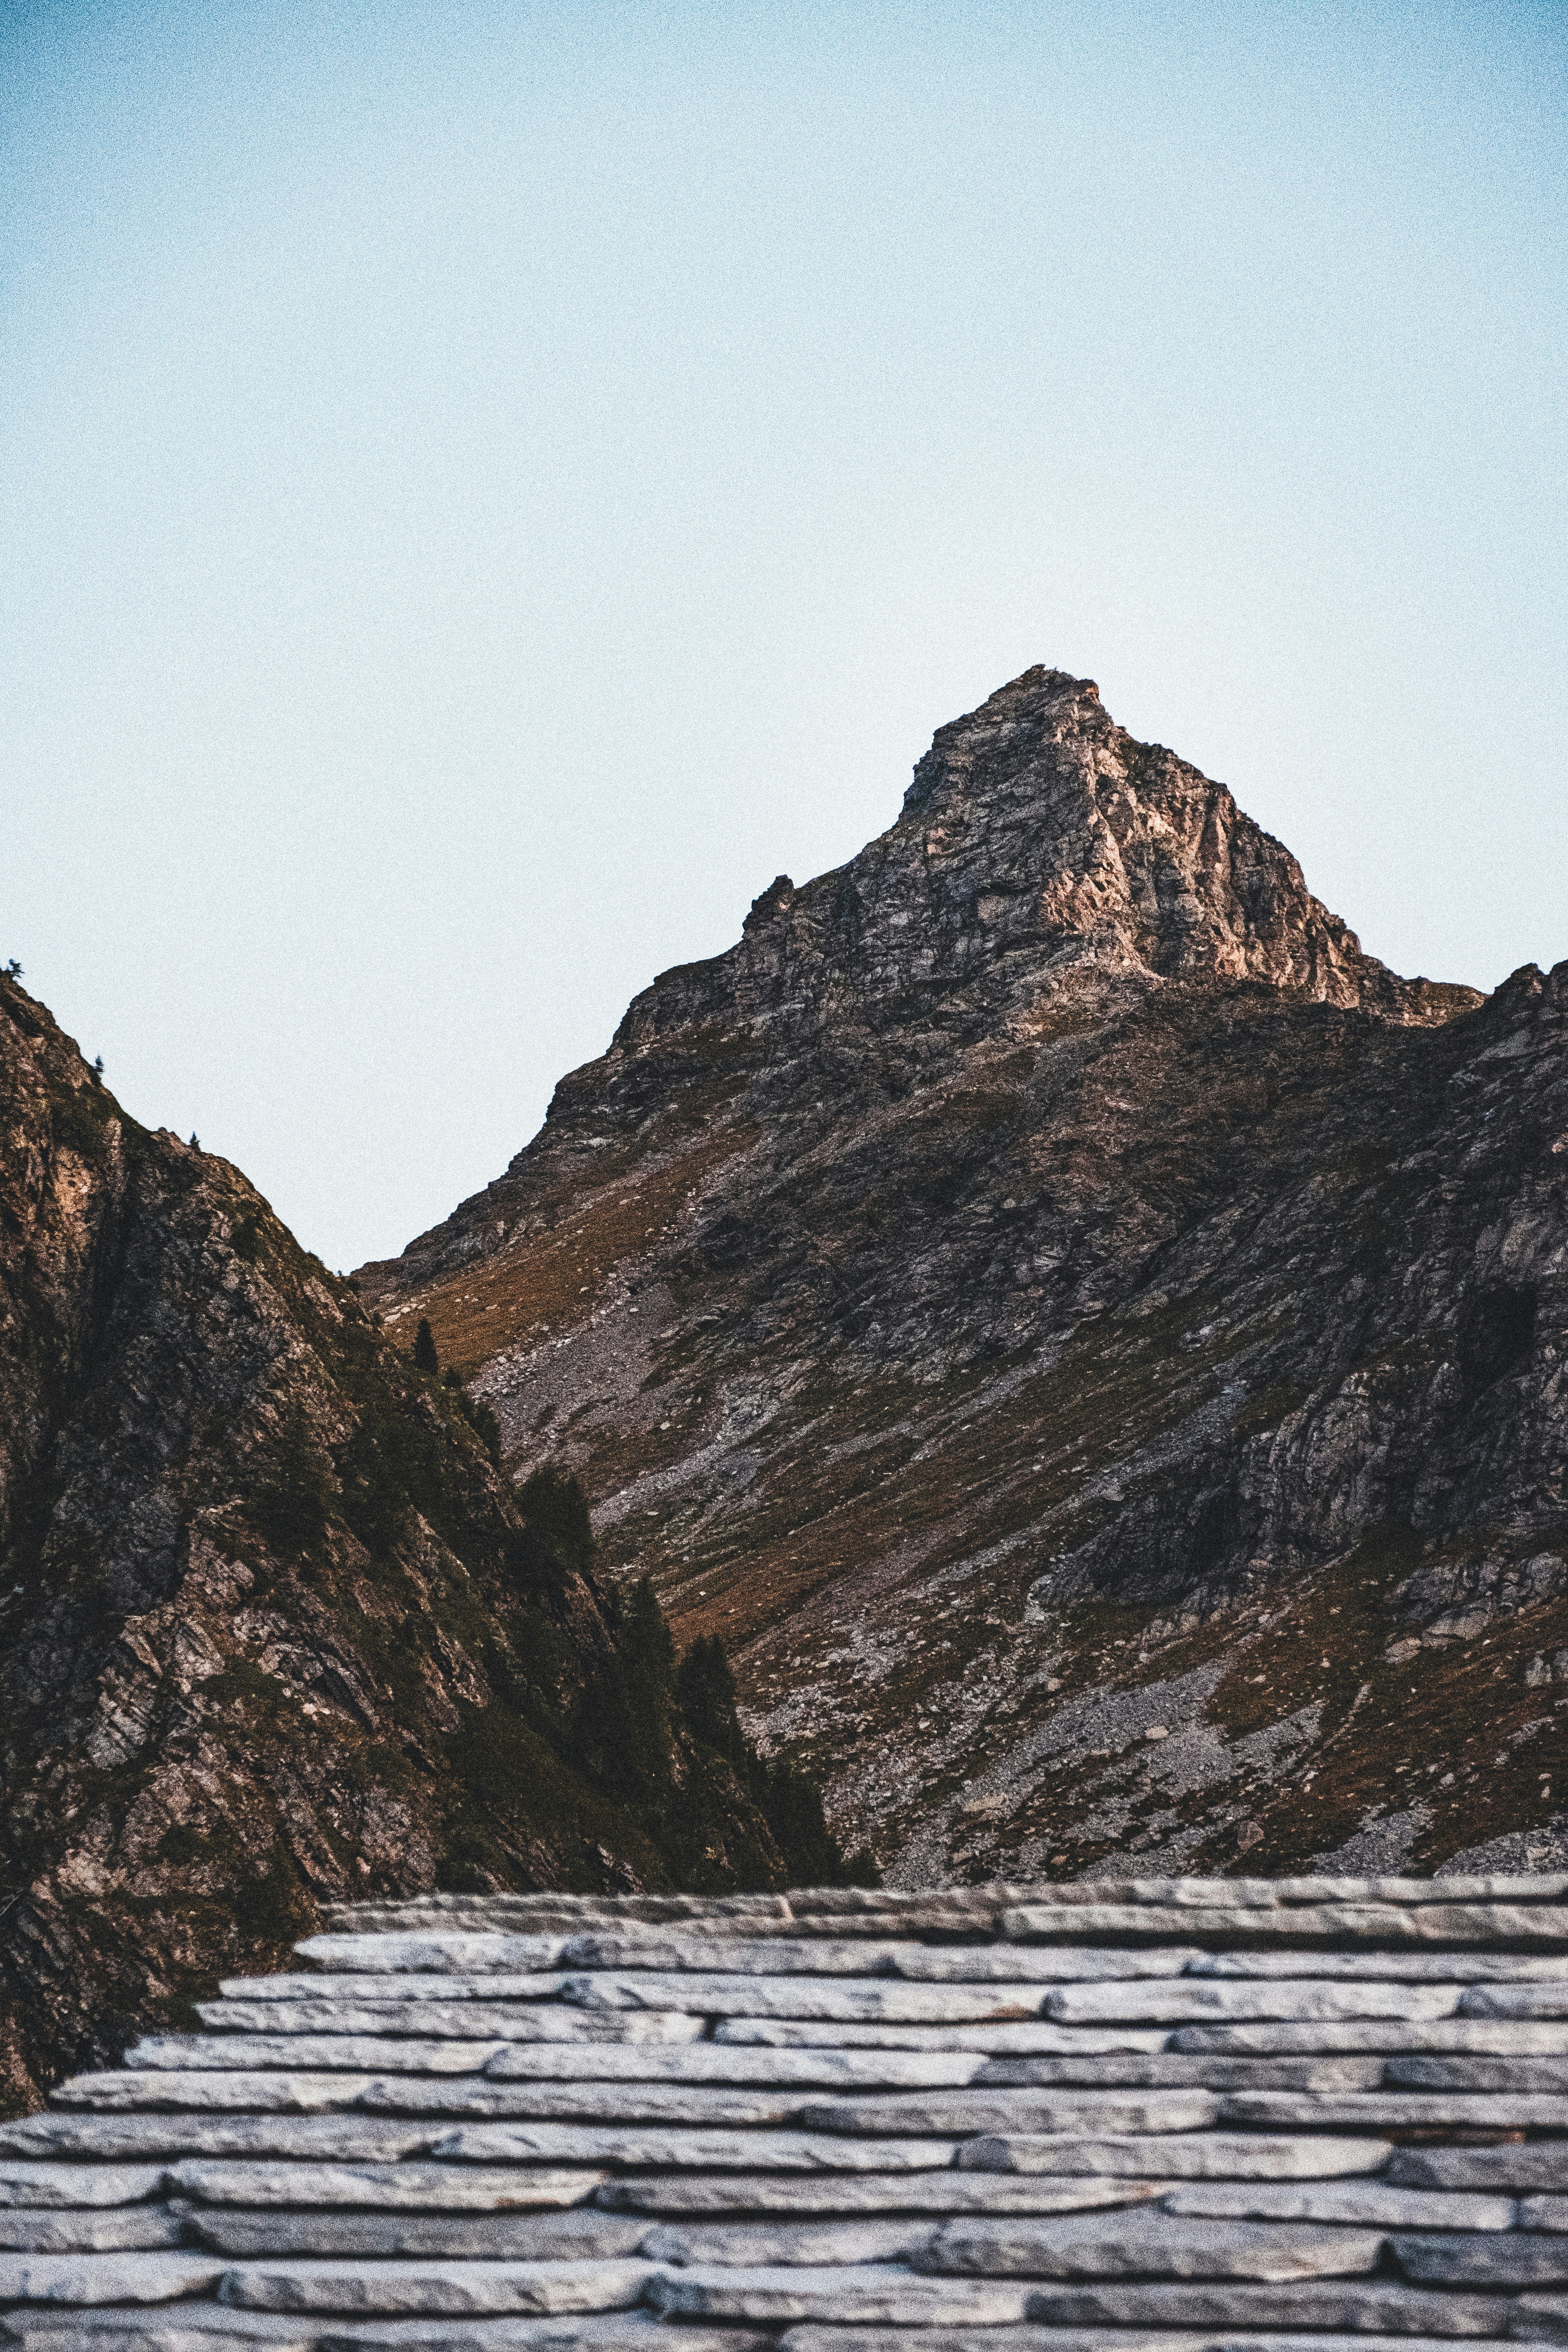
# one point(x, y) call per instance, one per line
point(105, 2278)
point(741, 2063)
point(1176, 2069)
point(1467, 2074)
point(1540, 2319)
point(392, 1984)
point(1198, 2000)
point(1389, 2034)
point(225, 2090)
point(1024, 2039)
point(1540, 2213)
point(347, 2286)
point(587, 2234)
point(481, 2021)
point(1388, 2110)
point(1240, 1895)
point(374, 2138)
point(37, 2181)
point(1465, 1966)
point(1368, 2204)
point(742, 2151)
point(1028, 2338)
point(1153, 2245)
point(439, 1952)
point(1544, 2166)
point(1449, 1923)
point(1515, 2000)
point(967, 2113)
point(1513, 2259)
point(612, 2105)
point(942, 2194)
point(90, 2229)
point(354, 2053)
point(866, 2291)
point(1374, 2306)
point(768, 2245)
point(410, 2188)
point(873, 2001)
point(822, 1956)
point(1197, 2156)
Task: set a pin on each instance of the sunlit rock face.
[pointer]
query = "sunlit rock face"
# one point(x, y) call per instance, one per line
point(1046, 1288)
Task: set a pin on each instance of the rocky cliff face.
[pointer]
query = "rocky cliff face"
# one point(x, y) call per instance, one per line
point(1087, 1335)
point(272, 1626)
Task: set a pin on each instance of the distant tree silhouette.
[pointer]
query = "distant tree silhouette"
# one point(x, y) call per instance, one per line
point(426, 1360)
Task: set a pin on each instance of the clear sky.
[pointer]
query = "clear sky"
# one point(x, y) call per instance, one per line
point(484, 488)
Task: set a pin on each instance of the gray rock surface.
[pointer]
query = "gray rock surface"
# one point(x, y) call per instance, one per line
point(1200, 2156)
point(1359, 2306)
point(1155, 2245)
point(868, 2292)
point(419, 2287)
point(406, 2186)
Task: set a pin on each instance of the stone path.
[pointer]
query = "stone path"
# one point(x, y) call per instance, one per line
point(1158, 2115)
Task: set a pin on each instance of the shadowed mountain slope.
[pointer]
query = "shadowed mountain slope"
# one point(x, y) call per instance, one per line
point(1087, 1336)
point(273, 1629)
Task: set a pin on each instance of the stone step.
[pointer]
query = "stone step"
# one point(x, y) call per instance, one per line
point(742, 2151)
point(369, 2054)
point(942, 2194)
point(1384, 2110)
point(1153, 2245)
point(482, 2021)
point(1455, 1923)
point(872, 2000)
point(1196, 2000)
point(1369, 2204)
point(971, 2112)
point(106, 2278)
point(37, 2181)
point(376, 2138)
point(1024, 2039)
point(418, 2287)
point(584, 2235)
point(770, 2245)
point(229, 2090)
point(1542, 2167)
point(405, 2187)
point(89, 2230)
point(1376, 2306)
point(1455, 2033)
point(1172, 2069)
point(1512, 2260)
point(1466, 1965)
point(864, 2291)
point(435, 1952)
point(821, 1955)
point(1544, 2073)
point(389, 1984)
point(1177, 2156)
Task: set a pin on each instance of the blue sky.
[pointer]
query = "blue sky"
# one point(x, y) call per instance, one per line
point(485, 488)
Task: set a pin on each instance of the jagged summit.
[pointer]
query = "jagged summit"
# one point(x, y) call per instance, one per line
point(1037, 841)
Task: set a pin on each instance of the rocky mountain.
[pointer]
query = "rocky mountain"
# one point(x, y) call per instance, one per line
point(273, 1628)
point(1086, 1336)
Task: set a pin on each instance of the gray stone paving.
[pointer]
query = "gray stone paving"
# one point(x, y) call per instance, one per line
point(1120, 2115)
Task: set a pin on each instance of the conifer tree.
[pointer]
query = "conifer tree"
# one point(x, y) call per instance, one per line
point(426, 1360)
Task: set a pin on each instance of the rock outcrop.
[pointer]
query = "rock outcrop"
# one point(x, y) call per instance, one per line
point(272, 1627)
point(1088, 1337)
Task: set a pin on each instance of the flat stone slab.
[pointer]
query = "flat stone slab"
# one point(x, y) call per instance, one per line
point(1538, 2213)
point(1199, 2156)
point(586, 2235)
point(485, 2021)
point(737, 2063)
point(1178, 2069)
point(226, 2090)
point(390, 1984)
point(1241, 1895)
point(611, 2104)
point(1368, 2204)
point(1196, 2001)
point(1436, 1923)
point(768, 2245)
point(970, 2112)
point(1022, 2040)
point(1385, 2110)
point(370, 2137)
point(367, 2054)
point(870, 1999)
point(1515, 2000)
point(1443, 2034)
point(37, 2181)
point(428, 2288)
point(744, 2151)
point(943, 2193)
point(1028, 2338)
point(1514, 2259)
point(105, 2278)
point(1544, 2165)
point(1468, 2073)
point(870, 2290)
point(1467, 1966)
point(1374, 2306)
point(89, 2230)
point(821, 1955)
point(437, 1953)
point(412, 2188)
point(1151, 2245)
